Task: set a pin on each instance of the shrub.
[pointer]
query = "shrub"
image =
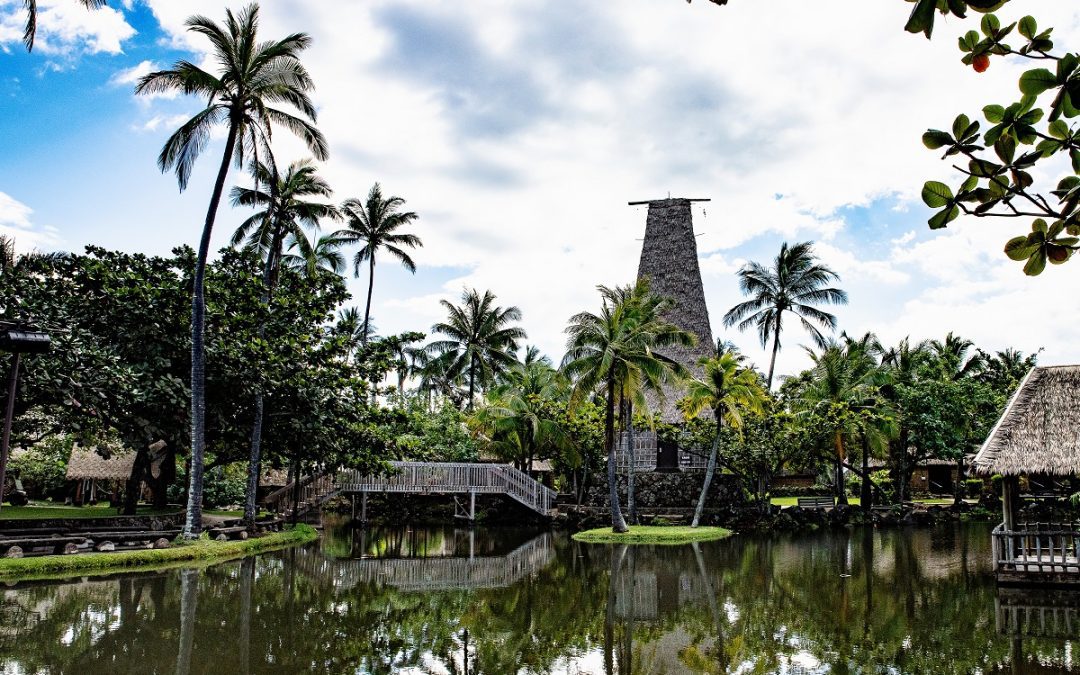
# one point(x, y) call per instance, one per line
point(43, 468)
point(222, 486)
point(974, 487)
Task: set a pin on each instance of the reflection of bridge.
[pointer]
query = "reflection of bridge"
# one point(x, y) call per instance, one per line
point(421, 478)
point(426, 574)
point(1025, 612)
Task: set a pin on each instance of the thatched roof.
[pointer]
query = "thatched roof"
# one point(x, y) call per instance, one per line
point(1039, 432)
point(89, 463)
point(669, 258)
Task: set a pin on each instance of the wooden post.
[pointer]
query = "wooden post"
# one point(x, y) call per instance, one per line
point(363, 506)
point(352, 498)
point(472, 506)
point(1009, 489)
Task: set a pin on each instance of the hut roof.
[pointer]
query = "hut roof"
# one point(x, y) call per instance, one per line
point(1039, 432)
point(89, 463)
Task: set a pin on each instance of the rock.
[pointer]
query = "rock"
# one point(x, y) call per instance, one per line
point(70, 548)
point(242, 535)
point(105, 547)
point(162, 543)
point(14, 552)
point(221, 537)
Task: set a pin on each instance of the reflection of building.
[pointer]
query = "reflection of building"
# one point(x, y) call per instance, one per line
point(1038, 434)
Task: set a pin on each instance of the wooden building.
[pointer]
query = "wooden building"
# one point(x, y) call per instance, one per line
point(1037, 435)
point(98, 475)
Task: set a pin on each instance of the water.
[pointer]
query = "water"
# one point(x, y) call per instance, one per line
point(454, 601)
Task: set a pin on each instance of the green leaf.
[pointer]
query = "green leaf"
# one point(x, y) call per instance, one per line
point(1005, 149)
point(1035, 82)
point(935, 194)
point(1035, 264)
point(1028, 27)
point(990, 25)
point(984, 168)
point(922, 18)
point(1059, 129)
point(1018, 249)
point(935, 139)
point(960, 124)
point(994, 113)
point(1039, 225)
point(943, 218)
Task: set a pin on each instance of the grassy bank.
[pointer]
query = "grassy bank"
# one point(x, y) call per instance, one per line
point(201, 550)
point(655, 535)
point(44, 510)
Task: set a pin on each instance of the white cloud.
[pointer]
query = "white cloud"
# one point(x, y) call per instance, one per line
point(15, 223)
point(131, 76)
point(165, 122)
point(66, 28)
point(519, 132)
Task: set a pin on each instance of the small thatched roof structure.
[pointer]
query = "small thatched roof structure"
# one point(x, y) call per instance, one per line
point(89, 463)
point(1039, 432)
point(669, 259)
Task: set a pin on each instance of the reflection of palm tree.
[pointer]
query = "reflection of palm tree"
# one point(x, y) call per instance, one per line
point(189, 600)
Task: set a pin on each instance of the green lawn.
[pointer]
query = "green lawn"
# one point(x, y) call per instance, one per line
point(854, 501)
point(47, 510)
point(646, 534)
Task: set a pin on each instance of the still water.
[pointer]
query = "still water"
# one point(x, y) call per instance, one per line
point(504, 601)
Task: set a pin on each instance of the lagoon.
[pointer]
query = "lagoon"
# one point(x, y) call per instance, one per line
point(455, 600)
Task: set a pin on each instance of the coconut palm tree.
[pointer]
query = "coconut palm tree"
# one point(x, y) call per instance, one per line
point(30, 31)
point(727, 388)
point(901, 364)
point(284, 211)
point(254, 76)
point(324, 254)
point(479, 341)
point(953, 359)
point(794, 283)
point(375, 223)
point(844, 395)
point(613, 352)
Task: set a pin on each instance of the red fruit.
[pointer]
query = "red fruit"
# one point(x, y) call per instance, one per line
point(980, 63)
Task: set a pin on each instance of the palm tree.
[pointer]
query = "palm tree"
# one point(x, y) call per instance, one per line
point(480, 340)
point(254, 76)
point(901, 364)
point(613, 352)
point(728, 389)
point(795, 283)
point(844, 395)
point(284, 212)
point(324, 254)
point(952, 359)
point(375, 223)
point(30, 31)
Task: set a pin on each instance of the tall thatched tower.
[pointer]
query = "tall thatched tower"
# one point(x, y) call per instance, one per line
point(669, 258)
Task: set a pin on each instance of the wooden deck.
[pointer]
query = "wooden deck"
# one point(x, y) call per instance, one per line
point(450, 478)
point(1037, 553)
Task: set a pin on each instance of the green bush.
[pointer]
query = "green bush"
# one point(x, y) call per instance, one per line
point(974, 487)
point(43, 468)
point(222, 486)
point(995, 482)
point(800, 491)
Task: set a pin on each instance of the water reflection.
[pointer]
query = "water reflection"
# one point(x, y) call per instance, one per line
point(454, 601)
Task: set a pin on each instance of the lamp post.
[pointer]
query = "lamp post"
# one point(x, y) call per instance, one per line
point(17, 339)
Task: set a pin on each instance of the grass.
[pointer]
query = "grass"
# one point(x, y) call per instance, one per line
point(854, 501)
point(46, 510)
point(200, 550)
point(656, 535)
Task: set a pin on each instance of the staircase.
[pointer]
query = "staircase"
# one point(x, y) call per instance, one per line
point(314, 492)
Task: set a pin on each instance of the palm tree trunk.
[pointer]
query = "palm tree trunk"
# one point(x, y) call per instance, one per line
point(367, 308)
point(617, 522)
point(710, 469)
point(841, 491)
point(472, 380)
point(255, 457)
point(631, 503)
point(866, 496)
point(775, 349)
point(193, 519)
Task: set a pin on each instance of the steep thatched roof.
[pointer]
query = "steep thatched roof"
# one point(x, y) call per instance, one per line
point(1039, 432)
point(89, 463)
point(669, 258)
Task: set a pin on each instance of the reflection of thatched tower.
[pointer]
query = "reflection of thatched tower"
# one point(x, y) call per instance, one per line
point(669, 258)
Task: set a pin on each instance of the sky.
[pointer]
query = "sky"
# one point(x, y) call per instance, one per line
point(519, 131)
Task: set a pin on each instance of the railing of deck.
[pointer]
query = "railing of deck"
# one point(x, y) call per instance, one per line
point(453, 477)
point(1037, 547)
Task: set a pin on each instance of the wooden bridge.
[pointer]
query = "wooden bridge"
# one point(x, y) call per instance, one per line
point(451, 478)
point(426, 574)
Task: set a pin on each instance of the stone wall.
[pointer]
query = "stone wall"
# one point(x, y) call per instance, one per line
point(668, 490)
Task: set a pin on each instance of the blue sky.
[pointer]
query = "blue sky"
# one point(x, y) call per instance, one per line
point(519, 131)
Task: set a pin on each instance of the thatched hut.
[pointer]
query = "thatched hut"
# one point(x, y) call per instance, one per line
point(1037, 435)
point(669, 260)
point(88, 467)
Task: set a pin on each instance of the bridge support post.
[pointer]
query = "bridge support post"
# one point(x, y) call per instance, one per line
point(472, 507)
point(363, 506)
point(352, 498)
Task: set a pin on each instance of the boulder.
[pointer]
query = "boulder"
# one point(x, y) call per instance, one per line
point(162, 543)
point(105, 547)
point(71, 548)
point(14, 552)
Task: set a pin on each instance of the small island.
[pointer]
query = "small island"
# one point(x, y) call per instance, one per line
point(655, 535)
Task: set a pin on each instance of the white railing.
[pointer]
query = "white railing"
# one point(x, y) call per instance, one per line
point(452, 478)
point(1037, 548)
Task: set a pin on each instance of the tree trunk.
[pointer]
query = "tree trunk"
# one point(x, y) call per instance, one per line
point(959, 488)
point(775, 349)
point(472, 380)
point(710, 469)
point(255, 456)
point(841, 489)
point(866, 497)
point(193, 519)
point(367, 307)
point(189, 600)
point(631, 503)
point(617, 522)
